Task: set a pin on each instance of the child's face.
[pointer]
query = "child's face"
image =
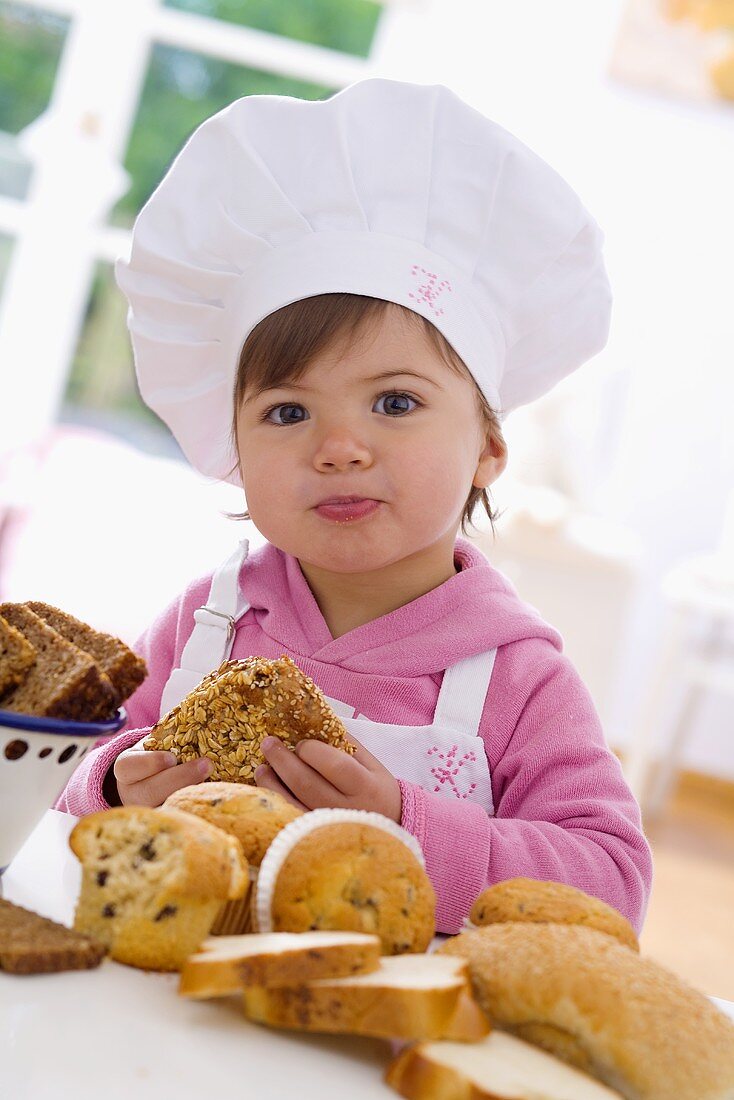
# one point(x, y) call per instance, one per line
point(338, 433)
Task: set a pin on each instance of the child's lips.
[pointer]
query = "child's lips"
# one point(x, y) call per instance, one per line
point(350, 511)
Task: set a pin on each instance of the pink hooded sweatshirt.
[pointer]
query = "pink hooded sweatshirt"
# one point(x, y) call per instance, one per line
point(563, 811)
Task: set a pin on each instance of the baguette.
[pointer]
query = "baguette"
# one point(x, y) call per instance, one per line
point(409, 997)
point(225, 964)
point(500, 1067)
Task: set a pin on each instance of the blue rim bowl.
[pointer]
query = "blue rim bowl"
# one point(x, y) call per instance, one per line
point(61, 726)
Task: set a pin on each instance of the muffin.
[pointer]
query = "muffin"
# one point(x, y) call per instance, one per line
point(153, 880)
point(539, 902)
point(254, 815)
point(350, 870)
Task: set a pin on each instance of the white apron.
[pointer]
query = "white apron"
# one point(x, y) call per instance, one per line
point(446, 758)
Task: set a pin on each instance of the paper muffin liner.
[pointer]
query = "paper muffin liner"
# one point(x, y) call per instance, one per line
point(235, 917)
point(294, 831)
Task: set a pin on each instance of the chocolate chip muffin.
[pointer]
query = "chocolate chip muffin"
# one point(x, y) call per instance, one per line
point(153, 881)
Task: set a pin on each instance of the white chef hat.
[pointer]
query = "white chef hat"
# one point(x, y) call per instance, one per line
point(388, 189)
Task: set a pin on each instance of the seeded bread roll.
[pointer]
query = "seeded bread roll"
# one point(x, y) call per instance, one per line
point(350, 870)
point(528, 899)
point(254, 815)
point(236, 707)
point(125, 670)
point(32, 944)
point(153, 881)
point(17, 656)
point(583, 996)
point(64, 682)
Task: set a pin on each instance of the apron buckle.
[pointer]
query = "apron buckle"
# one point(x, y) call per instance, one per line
point(201, 615)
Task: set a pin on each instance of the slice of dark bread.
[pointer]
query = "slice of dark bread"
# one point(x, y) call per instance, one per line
point(65, 682)
point(124, 668)
point(17, 656)
point(31, 944)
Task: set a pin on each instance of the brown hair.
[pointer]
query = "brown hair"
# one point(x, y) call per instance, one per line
point(280, 348)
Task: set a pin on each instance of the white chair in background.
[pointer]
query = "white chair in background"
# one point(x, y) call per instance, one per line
point(697, 655)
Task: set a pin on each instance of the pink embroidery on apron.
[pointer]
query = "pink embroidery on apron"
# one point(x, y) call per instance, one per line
point(447, 772)
point(428, 291)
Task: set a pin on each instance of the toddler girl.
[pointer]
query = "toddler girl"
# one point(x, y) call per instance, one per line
point(334, 304)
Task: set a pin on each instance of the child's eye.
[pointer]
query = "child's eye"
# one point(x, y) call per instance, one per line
point(390, 393)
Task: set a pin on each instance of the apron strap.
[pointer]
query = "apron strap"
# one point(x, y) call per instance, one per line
point(463, 692)
point(210, 642)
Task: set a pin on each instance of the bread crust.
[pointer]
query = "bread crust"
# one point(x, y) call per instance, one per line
point(537, 901)
point(639, 1028)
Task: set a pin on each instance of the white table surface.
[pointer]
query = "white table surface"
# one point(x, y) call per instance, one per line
point(117, 1032)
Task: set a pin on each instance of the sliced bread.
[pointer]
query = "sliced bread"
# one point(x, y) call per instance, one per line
point(17, 657)
point(125, 670)
point(32, 944)
point(500, 1067)
point(64, 682)
point(225, 964)
point(408, 997)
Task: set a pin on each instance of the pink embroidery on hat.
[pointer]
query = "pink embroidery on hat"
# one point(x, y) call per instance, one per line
point(429, 292)
point(448, 771)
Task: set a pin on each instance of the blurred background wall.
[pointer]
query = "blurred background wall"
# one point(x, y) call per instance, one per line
point(624, 473)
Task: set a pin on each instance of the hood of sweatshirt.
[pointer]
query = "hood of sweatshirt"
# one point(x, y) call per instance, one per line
point(475, 610)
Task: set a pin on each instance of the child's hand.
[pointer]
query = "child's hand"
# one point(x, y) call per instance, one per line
point(147, 778)
point(316, 774)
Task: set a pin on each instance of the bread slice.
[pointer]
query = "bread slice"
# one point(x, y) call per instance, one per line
point(500, 1067)
point(17, 656)
point(153, 881)
point(31, 944)
point(227, 963)
point(125, 670)
point(64, 682)
point(408, 997)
